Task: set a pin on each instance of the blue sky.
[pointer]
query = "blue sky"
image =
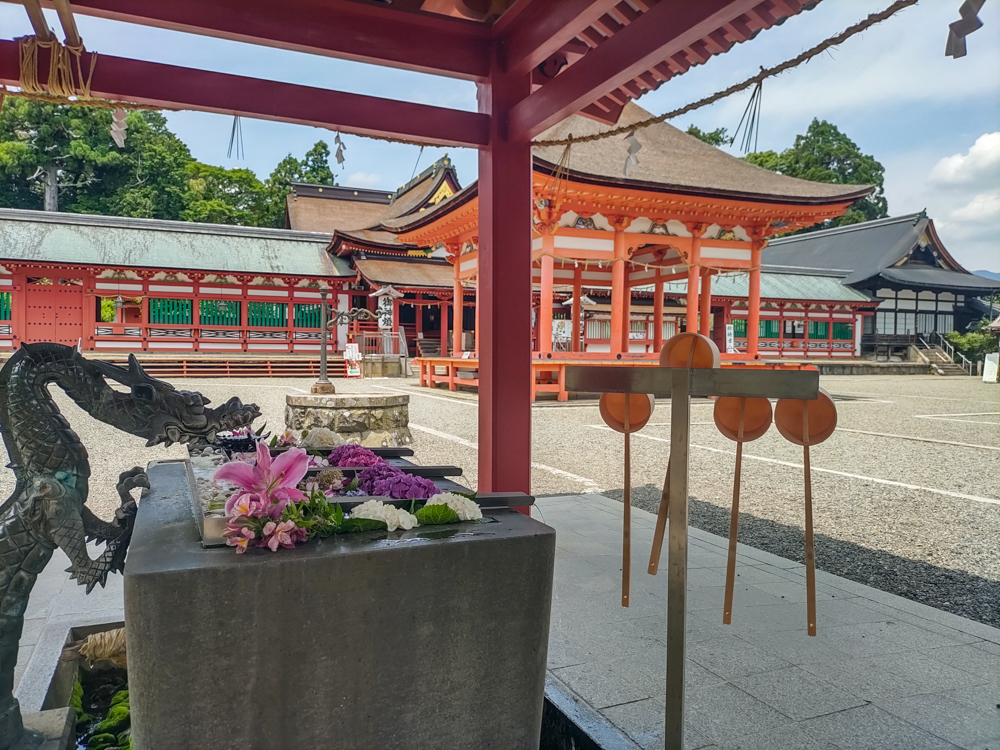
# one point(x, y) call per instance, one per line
point(933, 122)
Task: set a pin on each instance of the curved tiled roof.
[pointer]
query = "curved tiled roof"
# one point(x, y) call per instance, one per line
point(672, 160)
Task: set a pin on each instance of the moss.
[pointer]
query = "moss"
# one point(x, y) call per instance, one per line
point(101, 742)
point(120, 697)
point(116, 721)
point(76, 703)
point(125, 740)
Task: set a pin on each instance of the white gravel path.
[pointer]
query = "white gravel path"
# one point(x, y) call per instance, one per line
point(929, 530)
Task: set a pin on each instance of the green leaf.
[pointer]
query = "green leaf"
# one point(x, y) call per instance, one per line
point(431, 515)
point(353, 485)
point(360, 524)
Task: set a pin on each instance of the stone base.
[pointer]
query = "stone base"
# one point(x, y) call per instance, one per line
point(372, 420)
point(425, 639)
point(324, 389)
point(49, 730)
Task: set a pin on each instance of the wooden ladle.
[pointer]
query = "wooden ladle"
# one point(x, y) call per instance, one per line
point(742, 420)
point(686, 349)
point(627, 413)
point(807, 423)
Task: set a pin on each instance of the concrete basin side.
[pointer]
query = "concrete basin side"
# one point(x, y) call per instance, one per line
point(435, 637)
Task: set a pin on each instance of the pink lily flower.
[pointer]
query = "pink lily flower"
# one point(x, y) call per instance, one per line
point(283, 534)
point(238, 537)
point(276, 480)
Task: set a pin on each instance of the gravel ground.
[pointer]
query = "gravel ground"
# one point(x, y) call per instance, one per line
point(916, 540)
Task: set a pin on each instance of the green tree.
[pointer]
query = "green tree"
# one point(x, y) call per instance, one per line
point(824, 154)
point(314, 168)
point(717, 137)
point(63, 158)
point(224, 196)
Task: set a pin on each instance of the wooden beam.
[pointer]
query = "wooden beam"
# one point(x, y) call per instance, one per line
point(37, 18)
point(664, 30)
point(173, 87)
point(336, 28)
point(543, 28)
point(70, 31)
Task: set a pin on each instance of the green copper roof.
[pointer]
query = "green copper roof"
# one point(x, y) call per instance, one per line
point(775, 286)
point(45, 237)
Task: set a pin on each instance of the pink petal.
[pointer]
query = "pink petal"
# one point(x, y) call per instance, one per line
point(272, 543)
point(291, 466)
point(263, 456)
point(241, 474)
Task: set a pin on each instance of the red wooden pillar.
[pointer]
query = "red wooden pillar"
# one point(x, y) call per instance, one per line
point(619, 313)
point(19, 309)
point(545, 297)
point(753, 302)
point(505, 309)
point(694, 269)
point(706, 302)
point(418, 316)
point(444, 328)
point(577, 309)
point(456, 311)
point(658, 312)
point(476, 348)
point(627, 304)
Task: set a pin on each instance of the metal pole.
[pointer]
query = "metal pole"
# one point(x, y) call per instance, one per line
point(323, 385)
point(680, 415)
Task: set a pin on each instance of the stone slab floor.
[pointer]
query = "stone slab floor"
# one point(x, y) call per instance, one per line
point(883, 672)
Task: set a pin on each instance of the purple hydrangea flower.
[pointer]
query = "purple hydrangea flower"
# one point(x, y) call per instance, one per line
point(354, 455)
point(388, 481)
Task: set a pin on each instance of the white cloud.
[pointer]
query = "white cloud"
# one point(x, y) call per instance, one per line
point(362, 179)
point(982, 207)
point(980, 166)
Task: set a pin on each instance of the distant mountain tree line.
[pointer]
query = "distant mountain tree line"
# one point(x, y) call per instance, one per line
point(61, 158)
point(823, 154)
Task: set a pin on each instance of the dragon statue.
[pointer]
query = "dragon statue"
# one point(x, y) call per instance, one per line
point(48, 506)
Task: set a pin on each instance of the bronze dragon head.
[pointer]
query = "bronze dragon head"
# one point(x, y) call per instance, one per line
point(155, 410)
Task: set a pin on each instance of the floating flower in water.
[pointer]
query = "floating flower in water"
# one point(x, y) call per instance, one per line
point(317, 462)
point(239, 536)
point(275, 482)
point(287, 439)
point(354, 455)
point(330, 479)
point(393, 517)
point(388, 481)
point(466, 509)
point(284, 534)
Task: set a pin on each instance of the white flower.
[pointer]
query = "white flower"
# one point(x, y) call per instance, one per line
point(393, 517)
point(466, 509)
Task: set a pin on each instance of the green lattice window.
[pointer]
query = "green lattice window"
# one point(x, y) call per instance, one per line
point(4, 305)
point(818, 330)
point(171, 312)
point(267, 314)
point(307, 316)
point(739, 328)
point(843, 332)
point(219, 312)
point(769, 329)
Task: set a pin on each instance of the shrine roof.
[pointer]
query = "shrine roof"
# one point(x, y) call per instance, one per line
point(44, 237)
point(902, 249)
point(326, 208)
point(407, 273)
point(780, 286)
point(673, 161)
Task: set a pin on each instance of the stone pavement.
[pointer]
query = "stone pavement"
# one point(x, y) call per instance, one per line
point(883, 672)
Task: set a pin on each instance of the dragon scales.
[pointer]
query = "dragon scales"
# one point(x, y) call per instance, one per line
point(48, 506)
